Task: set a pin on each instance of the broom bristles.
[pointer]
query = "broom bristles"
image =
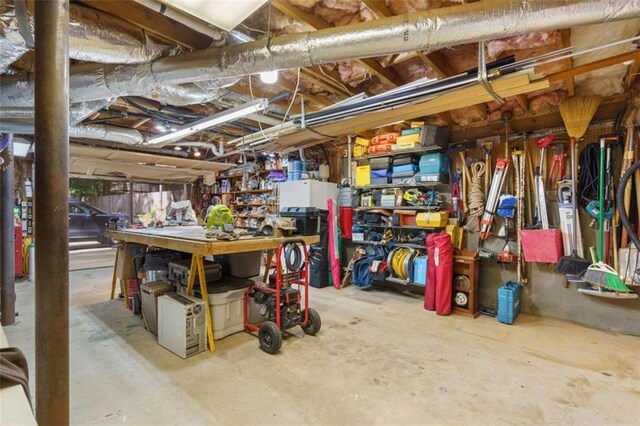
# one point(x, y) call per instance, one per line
point(601, 275)
point(571, 265)
point(577, 112)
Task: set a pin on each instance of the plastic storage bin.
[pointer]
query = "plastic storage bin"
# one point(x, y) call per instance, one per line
point(420, 270)
point(227, 307)
point(509, 302)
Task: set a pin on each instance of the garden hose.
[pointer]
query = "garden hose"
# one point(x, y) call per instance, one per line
point(400, 260)
point(293, 257)
point(624, 217)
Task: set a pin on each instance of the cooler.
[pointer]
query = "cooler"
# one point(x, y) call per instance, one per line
point(306, 219)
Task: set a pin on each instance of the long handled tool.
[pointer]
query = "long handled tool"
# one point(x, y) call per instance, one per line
point(519, 167)
point(576, 113)
point(502, 166)
point(541, 199)
point(599, 273)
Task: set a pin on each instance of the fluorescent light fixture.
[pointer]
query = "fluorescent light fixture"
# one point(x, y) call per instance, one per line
point(269, 77)
point(21, 147)
point(225, 14)
point(213, 120)
point(178, 148)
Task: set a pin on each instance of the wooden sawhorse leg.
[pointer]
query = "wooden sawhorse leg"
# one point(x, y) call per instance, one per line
point(267, 265)
point(197, 267)
point(114, 278)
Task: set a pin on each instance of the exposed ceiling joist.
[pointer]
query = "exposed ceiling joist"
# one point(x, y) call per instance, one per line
point(565, 38)
point(385, 75)
point(154, 23)
point(633, 55)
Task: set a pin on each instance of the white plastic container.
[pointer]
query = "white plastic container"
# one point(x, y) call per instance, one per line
point(227, 310)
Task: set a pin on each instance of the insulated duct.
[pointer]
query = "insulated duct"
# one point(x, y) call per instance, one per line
point(93, 37)
point(422, 31)
point(97, 37)
point(90, 131)
point(77, 112)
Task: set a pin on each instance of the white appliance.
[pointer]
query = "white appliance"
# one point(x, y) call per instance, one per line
point(306, 193)
point(182, 324)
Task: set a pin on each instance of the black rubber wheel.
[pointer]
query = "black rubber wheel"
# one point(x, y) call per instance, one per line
point(314, 324)
point(270, 337)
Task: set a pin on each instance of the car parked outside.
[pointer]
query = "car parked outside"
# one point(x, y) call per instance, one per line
point(88, 223)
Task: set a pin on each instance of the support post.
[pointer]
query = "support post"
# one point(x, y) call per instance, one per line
point(7, 265)
point(130, 201)
point(52, 211)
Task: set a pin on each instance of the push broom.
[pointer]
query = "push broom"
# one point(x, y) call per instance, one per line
point(576, 113)
point(599, 273)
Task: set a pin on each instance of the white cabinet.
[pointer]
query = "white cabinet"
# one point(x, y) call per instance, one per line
point(306, 193)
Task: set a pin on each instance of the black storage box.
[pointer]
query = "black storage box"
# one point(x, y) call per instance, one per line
point(381, 163)
point(306, 219)
point(179, 271)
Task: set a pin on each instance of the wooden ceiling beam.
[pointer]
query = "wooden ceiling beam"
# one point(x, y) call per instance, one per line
point(152, 22)
point(632, 73)
point(434, 60)
point(565, 39)
point(387, 76)
point(633, 55)
point(321, 81)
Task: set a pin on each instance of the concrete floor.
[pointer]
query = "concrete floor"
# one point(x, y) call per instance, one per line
point(379, 359)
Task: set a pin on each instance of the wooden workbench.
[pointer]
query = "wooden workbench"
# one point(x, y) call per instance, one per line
point(192, 239)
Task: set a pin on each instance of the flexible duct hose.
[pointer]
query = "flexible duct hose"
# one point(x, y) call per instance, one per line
point(624, 217)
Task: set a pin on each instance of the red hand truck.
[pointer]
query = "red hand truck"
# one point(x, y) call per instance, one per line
point(281, 301)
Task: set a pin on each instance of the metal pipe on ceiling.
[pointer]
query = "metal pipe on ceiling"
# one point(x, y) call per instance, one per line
point(421, 31)
point(88, 131)
point(52, 211)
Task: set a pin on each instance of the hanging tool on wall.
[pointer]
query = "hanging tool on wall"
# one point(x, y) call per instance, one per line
point(541, 199)
point(600, 273)
point(557, 164)
point(456, 209)
point(576, 113)
point(518, 158)
point(499, 177)
point(506, 210)
point(487, 146)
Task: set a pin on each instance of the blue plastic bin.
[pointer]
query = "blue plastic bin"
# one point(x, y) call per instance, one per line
point(509, 302)
point(420, 270)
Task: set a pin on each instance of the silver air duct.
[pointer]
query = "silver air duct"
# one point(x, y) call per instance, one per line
point(91, 131)
point(97, 37)
point(93, 36)
point(422, 31)
point(77, 112)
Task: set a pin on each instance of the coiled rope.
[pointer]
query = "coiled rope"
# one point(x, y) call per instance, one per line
point(476, 195)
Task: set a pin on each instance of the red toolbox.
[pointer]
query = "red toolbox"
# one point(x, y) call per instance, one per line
point(385, 147)
point(17, 231)
point(385, 139)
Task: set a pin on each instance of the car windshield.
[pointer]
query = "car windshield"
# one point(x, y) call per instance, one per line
point(87, 208)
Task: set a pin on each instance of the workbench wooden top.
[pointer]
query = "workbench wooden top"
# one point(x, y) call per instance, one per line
point(192, 239)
